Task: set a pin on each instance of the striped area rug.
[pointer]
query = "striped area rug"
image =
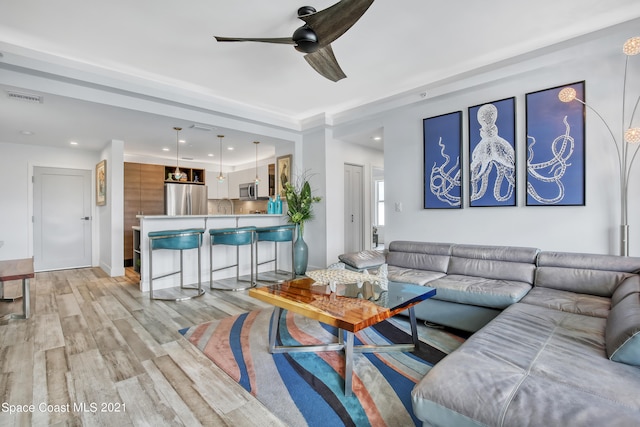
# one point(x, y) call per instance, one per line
point(307, 389)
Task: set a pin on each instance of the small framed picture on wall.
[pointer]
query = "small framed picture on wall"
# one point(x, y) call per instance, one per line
point(101, 183)
point(283, 173)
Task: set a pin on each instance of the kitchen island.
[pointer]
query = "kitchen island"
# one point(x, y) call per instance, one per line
point(167, 261)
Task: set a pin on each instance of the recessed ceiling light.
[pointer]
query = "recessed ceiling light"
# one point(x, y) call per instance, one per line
point(26, 132)
point(230, 148)
point(377, 138)
point(73, 143)
point(210, 154)
point(165, 149)
point(182, 141)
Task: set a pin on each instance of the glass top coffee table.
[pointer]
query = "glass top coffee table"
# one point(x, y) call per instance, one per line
point(350, 308)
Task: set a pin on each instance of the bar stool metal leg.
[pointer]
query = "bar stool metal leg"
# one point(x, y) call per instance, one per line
point(176, 240)
point(276, 234)
point(237, 237)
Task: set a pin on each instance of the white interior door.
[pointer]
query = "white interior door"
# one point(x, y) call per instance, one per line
point(353, 208)
point(61, 218)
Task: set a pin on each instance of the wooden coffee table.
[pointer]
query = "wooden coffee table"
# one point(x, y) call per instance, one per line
point(350, 309)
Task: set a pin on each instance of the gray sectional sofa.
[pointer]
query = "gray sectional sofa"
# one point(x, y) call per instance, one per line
point(474, 283)
point(556, 335)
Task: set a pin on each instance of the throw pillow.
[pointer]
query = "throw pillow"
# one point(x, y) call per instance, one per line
point(622, 334)
point(363, 259)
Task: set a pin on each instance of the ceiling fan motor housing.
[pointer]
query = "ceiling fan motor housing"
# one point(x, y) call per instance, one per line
point(306, 10)
point(306, 39)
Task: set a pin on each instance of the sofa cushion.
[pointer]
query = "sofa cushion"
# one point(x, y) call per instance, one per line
point(497, 253)
point(494, 262)
point(531, 366)
point(419, 255)
point(584, 273)
point(623, 331)
point(410, 275)
point(479, 291)
point(589, 305)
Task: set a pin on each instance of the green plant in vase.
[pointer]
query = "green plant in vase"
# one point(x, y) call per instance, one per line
point(300, 209)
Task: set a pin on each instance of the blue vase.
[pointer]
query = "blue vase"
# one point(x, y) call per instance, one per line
point(300, 254)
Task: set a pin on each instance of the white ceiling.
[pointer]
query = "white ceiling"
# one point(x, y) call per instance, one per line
point(396, 47)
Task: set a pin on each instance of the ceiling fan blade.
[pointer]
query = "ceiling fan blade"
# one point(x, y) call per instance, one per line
point(324, 62)
point(331, 23)
point(279, 40)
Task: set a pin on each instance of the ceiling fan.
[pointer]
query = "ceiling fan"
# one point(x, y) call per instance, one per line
point(315, 37)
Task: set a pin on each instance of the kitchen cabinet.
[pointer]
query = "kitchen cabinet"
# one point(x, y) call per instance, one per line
point(234, 179)
point(143, 195)
point(216, 189)
point(246, 176)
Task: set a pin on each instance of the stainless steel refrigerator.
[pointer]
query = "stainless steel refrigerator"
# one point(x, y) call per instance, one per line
point(185, 199)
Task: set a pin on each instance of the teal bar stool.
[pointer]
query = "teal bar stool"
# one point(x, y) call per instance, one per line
point(237, 237)
point(276, 234)
point(176, 240)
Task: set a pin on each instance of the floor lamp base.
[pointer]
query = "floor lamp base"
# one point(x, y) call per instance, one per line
point(624, 240)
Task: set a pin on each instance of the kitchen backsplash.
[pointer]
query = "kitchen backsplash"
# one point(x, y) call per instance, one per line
point(224, 207)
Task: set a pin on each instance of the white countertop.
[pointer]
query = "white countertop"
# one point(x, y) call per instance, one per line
point(168, 260)
point(209, 216)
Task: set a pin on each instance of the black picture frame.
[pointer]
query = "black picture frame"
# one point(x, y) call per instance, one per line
point(442, 144)
point(492, 154)
point(555, 148)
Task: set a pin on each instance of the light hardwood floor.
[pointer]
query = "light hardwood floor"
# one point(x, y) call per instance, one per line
point(96, 351)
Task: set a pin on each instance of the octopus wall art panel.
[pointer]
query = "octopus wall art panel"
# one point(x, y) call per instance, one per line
point(442, 164)
point(555, 148)
point(492, 168)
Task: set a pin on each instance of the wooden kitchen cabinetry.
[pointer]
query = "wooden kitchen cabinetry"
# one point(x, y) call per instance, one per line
point(143, 195)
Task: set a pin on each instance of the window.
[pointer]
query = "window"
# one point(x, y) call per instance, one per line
point(379, 219)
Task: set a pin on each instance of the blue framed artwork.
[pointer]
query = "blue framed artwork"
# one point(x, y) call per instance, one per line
point(555, 148)
point(442, 171)
point(492, 154)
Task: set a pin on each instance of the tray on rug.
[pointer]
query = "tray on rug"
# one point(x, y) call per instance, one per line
point(307, 389)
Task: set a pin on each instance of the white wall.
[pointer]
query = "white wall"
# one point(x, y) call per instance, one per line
point(324, 159)
point(16, 194)
point(110, 216)
point(314, 158)
point(340, 153)
point(590, 228)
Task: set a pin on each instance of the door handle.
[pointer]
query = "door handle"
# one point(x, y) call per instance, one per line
point(352, 218)
point(86, 218)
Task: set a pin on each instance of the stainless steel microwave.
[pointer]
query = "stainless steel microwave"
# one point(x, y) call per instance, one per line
point(249, 191)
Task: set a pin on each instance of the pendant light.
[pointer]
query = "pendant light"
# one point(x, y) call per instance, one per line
point(177, 174)
point(257, 180)
point(221, 177)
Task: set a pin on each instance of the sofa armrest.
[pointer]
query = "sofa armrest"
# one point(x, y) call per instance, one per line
point(622, 334)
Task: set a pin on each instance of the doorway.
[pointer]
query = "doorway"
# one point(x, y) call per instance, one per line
point(378, 208)
point(353, 208)
point(61, 218)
